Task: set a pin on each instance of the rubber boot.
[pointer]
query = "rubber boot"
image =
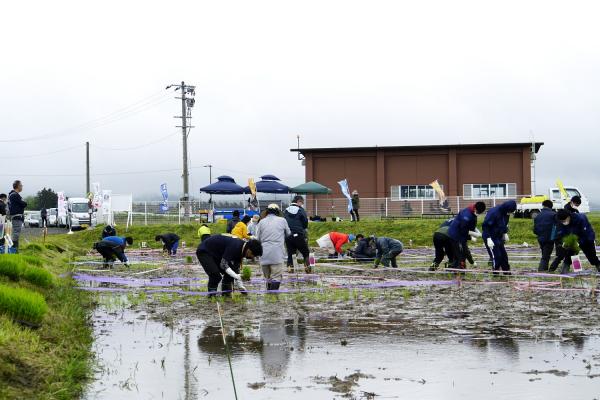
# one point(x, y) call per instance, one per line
point(275, 285)
point(269, 285)
point(212, 291)
point(226, 289)
point(307, 267)
point(434, 266)
point(565, 269)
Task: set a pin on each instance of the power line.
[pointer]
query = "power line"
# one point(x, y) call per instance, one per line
point(136, 147)
point(43, 154)
point(115, 116)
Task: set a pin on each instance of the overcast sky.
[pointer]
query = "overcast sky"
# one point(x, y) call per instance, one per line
point(339, 73)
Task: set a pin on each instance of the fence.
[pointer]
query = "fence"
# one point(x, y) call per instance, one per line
point(180, 212)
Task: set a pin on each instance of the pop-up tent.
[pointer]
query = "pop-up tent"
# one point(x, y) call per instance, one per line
point(224, 185)
point(269, 184)
point(311, 188)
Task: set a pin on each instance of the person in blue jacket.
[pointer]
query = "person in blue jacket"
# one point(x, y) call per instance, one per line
point(544, 227)
point(578, 224)
point(113, 247)
point(495, 234)
point(462, 227)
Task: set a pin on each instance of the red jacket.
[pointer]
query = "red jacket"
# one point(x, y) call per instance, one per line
point(338, 239)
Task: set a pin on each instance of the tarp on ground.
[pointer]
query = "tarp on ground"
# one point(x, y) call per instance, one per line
point(311, 188)
point(224, 185)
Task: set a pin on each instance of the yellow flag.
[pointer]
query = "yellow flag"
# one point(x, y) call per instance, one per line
point(252, 186)
point(562, 190)
point(438, 189)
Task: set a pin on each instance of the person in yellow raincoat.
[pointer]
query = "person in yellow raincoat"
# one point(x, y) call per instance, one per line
point(240, 230)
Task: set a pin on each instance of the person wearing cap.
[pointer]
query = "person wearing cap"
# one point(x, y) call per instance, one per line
point(333, 242)
point(203, 232)
point(221, 258)
point(495, 234)
point(240, 229)
point(235, 218)
point(253, 225)
point(578, 224)
point(297, 220)
point(271, 233)
point(573, 205)
point(544, 227)
point(170, 242)
point(463, 226)
point(355, 206)
point(387, 251)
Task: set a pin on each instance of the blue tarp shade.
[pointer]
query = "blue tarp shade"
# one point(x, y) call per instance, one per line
point(224, 185)
point(269, 184)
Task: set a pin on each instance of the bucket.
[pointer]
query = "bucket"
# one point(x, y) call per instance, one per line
point(576, 263)
point(311, 260)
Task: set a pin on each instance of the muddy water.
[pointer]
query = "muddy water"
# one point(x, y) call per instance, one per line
point(311, 355)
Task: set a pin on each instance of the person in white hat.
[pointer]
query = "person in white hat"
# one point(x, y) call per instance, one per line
point(271, 232)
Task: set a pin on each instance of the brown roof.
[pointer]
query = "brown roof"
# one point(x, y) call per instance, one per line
point(425, 147)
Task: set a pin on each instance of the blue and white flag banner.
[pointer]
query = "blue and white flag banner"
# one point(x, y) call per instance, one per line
point(346, 192)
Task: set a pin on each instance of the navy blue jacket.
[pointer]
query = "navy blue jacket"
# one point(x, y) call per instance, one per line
point(579, 226)
point(544, 225)
point(465, 221)
point(16, 205)
point(226, 251)
point(296, 218)
point(495, 223)
point(169, 239)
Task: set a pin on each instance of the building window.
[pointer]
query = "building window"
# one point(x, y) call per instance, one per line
point(413, 192)
point(490, 190)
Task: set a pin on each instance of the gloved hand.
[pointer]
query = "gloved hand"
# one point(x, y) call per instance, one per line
point(475, 233)
point(473, 238)
point(238, 285)
point(232, 274)
point(475, 264)
point(505, 237)
point(490, 243)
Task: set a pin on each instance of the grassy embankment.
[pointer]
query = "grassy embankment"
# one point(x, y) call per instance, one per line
point(45, 335)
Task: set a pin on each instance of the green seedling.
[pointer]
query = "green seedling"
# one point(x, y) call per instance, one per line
point(571, 242)
point(246, 273)
point(189, 260)
point(22, 304)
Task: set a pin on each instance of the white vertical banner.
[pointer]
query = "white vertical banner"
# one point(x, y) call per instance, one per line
point(107, 206)
point(346, 192)
point(62, 205)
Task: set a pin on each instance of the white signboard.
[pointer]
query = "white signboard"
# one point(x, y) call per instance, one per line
point(62, 205)
point(106, 202)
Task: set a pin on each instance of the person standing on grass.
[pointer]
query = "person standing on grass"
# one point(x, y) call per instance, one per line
point(16, 210)
point(44, 215)
point(461, 227)
point(221, 258)
point(578, 224)
point(240, 230)
point(271, 233)
point(333, 242)
point(544, 227)
point(235, 218)
point(113, 247)
point(253, 225)
point(170, 242)
point(297, 220)
point(495, 234)
point(355, 206)
point(3, 199)
point(387, 251)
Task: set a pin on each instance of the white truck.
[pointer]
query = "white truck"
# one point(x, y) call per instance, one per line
point(79, 214)
point(530, 207)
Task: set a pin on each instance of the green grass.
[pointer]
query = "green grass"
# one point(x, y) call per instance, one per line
point(22, 304)
point(54, 361)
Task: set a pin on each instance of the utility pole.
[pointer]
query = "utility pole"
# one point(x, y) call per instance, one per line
point(187, 102)
point(87, 168)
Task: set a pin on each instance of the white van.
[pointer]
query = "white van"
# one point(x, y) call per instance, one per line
point(78, 213)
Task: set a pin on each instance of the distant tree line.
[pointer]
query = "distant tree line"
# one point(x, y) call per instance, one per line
point(45, 198)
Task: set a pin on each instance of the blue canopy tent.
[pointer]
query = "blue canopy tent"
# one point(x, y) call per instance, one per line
point(225, 185)
point(269, 184)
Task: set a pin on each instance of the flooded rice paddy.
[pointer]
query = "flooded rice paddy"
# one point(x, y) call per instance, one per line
point(346, 331)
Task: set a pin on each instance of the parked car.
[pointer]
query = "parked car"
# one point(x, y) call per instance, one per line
point(78, 214)
point(33, 219)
